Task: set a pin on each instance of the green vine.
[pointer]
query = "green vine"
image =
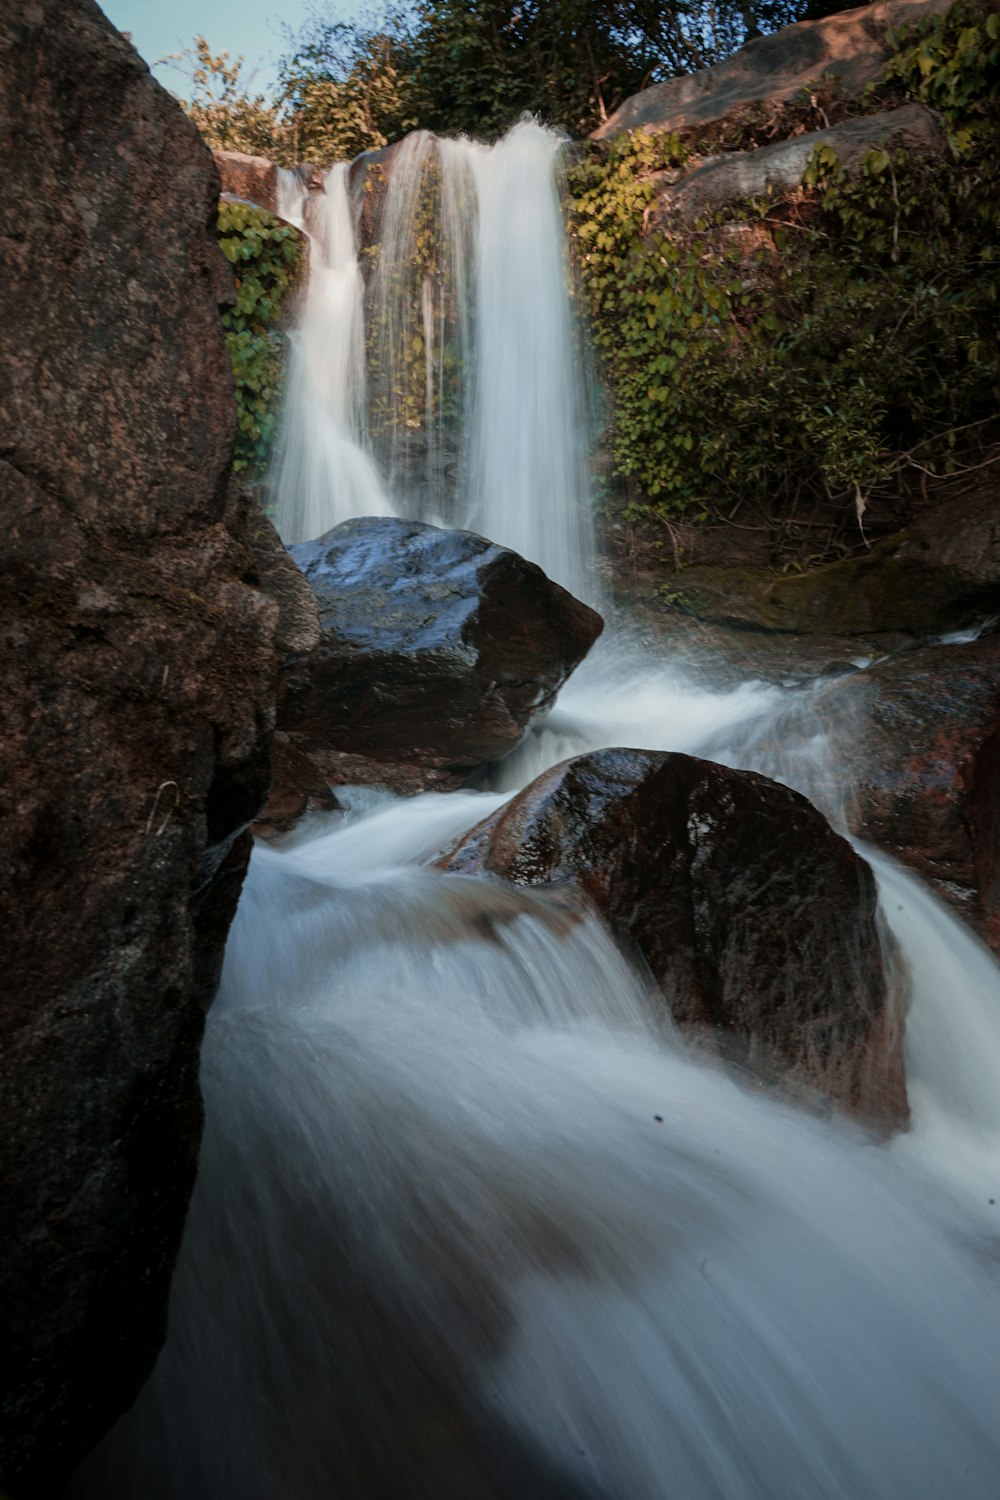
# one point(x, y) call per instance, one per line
point(266, 257)
point(951, 64)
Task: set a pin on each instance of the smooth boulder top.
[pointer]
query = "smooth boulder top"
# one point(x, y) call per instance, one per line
point(384, 583)
point(438, 651)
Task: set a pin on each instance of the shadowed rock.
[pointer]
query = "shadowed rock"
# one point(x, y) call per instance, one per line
point(755, 918)
point(137, 660)
point(920, 771)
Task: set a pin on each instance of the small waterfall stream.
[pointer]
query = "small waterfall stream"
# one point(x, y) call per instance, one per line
point(472, 1220)
point(324, 465)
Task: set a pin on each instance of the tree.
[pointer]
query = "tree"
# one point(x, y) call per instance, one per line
point(228, 114)
point(343, 90)
point(471, 66)
point(475, 66)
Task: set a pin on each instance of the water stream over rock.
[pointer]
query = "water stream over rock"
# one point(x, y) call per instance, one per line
point(472, 1219)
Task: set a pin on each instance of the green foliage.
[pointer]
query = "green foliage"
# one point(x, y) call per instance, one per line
point(803, 348)
point(266, 257)
point(228, 114)
point(475, 66)
point(471, 66)
point(342, 90)
point(951, 63)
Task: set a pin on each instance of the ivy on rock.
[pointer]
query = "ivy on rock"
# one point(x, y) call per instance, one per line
point(266, 256)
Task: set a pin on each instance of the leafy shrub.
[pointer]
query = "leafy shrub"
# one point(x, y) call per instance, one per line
point(266, 256)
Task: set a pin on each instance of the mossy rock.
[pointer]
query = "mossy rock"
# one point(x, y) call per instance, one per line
point(891, 587)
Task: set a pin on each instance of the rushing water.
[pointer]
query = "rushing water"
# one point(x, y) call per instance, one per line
point(324, 467)
point(473, 352)
point(471, 1219)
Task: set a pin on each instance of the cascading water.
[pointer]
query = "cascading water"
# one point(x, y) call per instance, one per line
point(528, 478)
point(473, 1222)
point(324, 467)
point(472, 348)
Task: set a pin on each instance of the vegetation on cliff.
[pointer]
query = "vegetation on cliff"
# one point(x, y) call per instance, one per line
point(266, 257)
point(819, 346)
point(810, 345)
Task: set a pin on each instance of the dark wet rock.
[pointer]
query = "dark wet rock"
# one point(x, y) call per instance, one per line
point(137, 657)
point(295, 793)
point(755, 918)
point(850, 47)
point(960, 537)
point(367, 182)
point(439, 650)
point(924, 581)
point(919, 772)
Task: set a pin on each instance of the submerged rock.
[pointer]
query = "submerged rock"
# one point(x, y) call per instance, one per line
point(439, 649)
point(137, 658)
point(920, 770)
point(756, 919)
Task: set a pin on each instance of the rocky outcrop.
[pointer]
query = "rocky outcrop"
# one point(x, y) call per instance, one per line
point(850, 48)
point(940, 574)
point(439, 649)
point(919, 774)
point(737, 175)
point(252, 178)
point(754, 917)
point(138, 656)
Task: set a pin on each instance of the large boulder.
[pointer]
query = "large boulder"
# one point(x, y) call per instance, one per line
point(919, 774)
point(757, 920)
point(735, 176)
point(942, 573)
point(439, 649)
point(138, 657)
point(851, 47)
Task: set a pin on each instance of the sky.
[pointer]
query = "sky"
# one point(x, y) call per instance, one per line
point(252, 27)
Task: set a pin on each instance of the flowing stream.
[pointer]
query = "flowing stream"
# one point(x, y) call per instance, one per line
point(472, 1220)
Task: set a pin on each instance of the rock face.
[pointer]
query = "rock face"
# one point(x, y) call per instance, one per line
point(920, 772)
point(850, 46)
point(138, 656)
point(942, 573)
point(438, 651)
point(737, 175)
point(755, 918)
point(253, 178)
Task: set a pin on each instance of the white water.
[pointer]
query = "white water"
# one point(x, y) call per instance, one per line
point(324, 471)
point(515, 417)
point(472, 1221)
point(529, 487)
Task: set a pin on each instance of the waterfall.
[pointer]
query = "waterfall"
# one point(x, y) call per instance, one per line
point(324, 472)
point(528, 481)
point(472, 1220)
point(477, 390)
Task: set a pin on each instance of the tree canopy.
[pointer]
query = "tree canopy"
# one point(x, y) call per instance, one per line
point(471, 66)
